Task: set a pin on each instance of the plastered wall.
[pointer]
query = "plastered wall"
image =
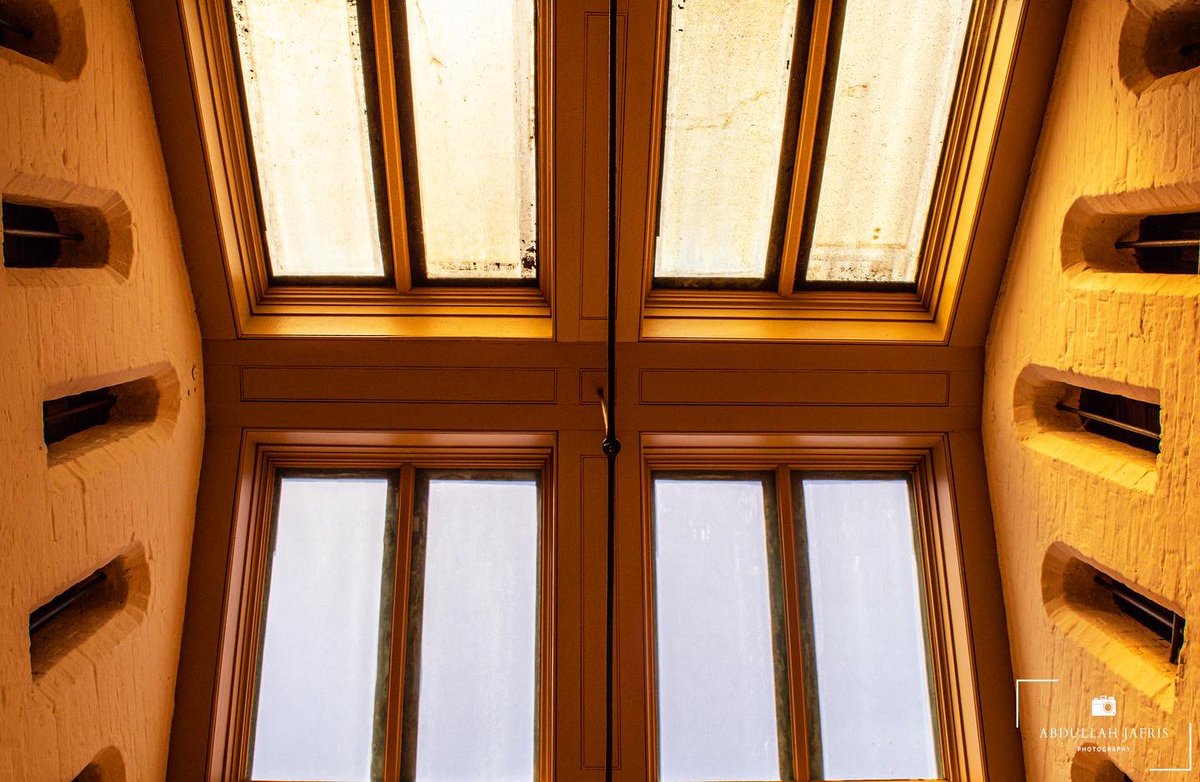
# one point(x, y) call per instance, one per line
point(77, 132)
point(1119, 141)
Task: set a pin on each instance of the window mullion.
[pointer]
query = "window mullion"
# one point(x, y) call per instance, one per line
point(400, 601)
point(810, 115)
point(791, 617)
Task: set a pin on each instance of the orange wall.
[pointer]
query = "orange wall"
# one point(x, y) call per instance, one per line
point(1117, 143)
point(80, 130)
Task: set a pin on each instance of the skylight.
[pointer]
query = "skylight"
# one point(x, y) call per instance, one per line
point(735, 131)
point(473, 106)
point(727, 96)
point(896, 70)
point(306, 103)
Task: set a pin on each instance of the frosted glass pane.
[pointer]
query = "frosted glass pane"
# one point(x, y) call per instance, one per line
point(477, 707)
point(875, 713)
point(727, 92)
point(716, 673)
point(896, 73)
point(472, 65)
point(319, 671)
point(302, 70)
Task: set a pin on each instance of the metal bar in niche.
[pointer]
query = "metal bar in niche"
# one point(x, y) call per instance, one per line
point(5, 24)
point(41, 616)
point(1066, 408)
point(30, 233)
point(1168, 626)
point(1138, 244)
point(108, 401)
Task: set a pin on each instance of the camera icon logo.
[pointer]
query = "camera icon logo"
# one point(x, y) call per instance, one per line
point(1104, 706)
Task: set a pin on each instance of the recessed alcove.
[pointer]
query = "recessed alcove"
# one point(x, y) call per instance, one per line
point(1078, 600)
point(105, 604)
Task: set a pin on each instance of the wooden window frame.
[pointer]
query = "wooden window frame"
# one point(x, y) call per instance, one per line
point(925, 461)
point(920, 312)
point(338, 306)
point(267, 454)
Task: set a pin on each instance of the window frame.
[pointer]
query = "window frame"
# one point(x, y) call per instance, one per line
point(268, 455)
point(925, 462)
point(793, 309)
point(267, 305)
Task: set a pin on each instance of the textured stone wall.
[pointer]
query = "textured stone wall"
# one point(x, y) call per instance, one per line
point(1119, 141)
point(77, 134)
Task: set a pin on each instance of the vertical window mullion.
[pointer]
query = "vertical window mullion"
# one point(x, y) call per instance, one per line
point(793, 602)
point(399, 630)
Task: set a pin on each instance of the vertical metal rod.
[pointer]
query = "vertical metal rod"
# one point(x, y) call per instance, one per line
point(611, 445)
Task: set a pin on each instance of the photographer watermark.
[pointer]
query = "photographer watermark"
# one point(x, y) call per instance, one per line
point(1101, 730)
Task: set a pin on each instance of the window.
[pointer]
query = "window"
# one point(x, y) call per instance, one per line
point(307, 81)
point(472, 633)
point(392, 622)
point(722, 673)
point(871, 711)
point(322, 681)
point(763, 157)
point(821, 622)
point(341, 97)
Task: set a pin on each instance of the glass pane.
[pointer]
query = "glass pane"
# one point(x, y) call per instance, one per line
point(472, 65)
point(306, 104)
point(717, 672)
point(320, 684)
point(896, 72)
point(478, 631)
point(874, 715)
point(727, 94)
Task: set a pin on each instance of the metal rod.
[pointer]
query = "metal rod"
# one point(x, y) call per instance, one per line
point(611, 444)
point(34, 234)
point(41, 616)
point(1151, 243)
point(105, 402)
point(1066, 408)
point(1169, 621)
point(16, 28)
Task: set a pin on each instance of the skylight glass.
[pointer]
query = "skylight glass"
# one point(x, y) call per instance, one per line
point(869, 654)
point(896, 71)
point(307, 111)
point(718, 717)
point(727, 95)
point(476, 659)
point(473, 105)
point(319, 684)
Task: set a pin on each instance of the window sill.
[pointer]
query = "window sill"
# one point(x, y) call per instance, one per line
point(811, 316)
